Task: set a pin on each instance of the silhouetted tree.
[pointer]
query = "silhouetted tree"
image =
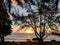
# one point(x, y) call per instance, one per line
point(5, 23)
point(47, 9)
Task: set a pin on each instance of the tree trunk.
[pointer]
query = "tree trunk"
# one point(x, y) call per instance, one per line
point(2, 38)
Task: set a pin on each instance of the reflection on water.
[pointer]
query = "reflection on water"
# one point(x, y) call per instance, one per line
point(19, 37)
point(29, 36)
point(24, 37)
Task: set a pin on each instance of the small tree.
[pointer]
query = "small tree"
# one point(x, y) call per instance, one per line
point(5, 23)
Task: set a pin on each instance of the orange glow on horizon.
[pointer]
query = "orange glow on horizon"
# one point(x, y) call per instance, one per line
point(29, 30)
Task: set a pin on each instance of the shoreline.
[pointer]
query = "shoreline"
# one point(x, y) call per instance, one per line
point(25, 40)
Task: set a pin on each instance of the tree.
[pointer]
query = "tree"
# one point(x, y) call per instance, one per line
point(5, 23)
point(46, 10)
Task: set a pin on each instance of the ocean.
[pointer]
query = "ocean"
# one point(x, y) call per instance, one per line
point(24, 37)
point(19, 37)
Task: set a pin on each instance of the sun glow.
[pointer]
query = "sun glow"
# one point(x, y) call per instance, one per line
point(29, 30)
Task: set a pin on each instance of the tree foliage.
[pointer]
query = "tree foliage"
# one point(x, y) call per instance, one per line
point(46, 14)
point(5, 23)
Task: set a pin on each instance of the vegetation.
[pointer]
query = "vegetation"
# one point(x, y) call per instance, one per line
point(47, 9)
point(5, 23)
point(47, 12)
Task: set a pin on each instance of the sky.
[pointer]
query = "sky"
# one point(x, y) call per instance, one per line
point(18, 10)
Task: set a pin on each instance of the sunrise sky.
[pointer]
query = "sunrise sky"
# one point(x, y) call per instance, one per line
point(21, 11)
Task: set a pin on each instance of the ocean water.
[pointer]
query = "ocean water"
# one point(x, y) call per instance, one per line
point(24, 37)
point(19, 37)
